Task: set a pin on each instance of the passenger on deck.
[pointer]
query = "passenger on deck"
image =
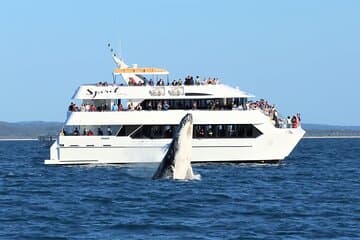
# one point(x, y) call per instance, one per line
point(114, 108)
point(212, 105)
point(109, 131)
point(294, 121)
point(102, 84)
point(149, 106)
point(76, 132)
point(92, 108)
point(90, 133)
point(132, 81)
point(197, 80)
point(217, 104)
point(201, 132)
point(189, 80)
point(102, 108)
point(209, 131)
point(120, 107)
point(288, 122)
point(159, 106)
point(168, 132)
point(100, 132)
point(131, 106)
point(275, 117)
point(298, 118)
point(166, 105)
point(160, 82)
point(194, 105)
point(138, 107)
point(62, 132)
point(82, 108)
point(204, 81)
point(72, 107)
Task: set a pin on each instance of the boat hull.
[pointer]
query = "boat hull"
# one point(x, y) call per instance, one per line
point(271, 147)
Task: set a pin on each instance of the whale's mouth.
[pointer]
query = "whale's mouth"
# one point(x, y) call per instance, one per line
point(190, 118)
point(187, 119)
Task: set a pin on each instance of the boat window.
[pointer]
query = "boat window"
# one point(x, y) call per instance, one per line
point(90, 130)
point(154, 131)
point(126, 130)
point(199, 131)
point(226, 131)
point(202, 104)
point(167, 131)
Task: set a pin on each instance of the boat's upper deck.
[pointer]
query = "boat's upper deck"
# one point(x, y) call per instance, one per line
point(149, 83)
point(115, 91)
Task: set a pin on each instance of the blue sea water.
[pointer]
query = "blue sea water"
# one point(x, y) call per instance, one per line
point(313, 194)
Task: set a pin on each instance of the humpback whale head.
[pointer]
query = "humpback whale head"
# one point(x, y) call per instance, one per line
point(176, 163)
point(185, 128)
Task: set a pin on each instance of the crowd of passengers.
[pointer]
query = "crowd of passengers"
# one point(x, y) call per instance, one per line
point(103, 84)
point(87, 132)
point(200, 131)
point(210, 104)
point(214, 104)
point(267, 108)
point(189, 80)
point(118, 107)
point(271, 111)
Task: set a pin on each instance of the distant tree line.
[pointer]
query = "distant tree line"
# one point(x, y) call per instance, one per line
point(21, 130)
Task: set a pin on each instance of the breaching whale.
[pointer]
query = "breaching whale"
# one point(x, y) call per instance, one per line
point(177, 161)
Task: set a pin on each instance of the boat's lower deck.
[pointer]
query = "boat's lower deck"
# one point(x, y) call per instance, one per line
point(115, 150)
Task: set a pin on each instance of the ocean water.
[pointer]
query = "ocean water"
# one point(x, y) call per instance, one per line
point(313, 194)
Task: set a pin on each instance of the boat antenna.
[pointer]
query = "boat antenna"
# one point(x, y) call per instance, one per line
point(121, 50)
point(111, 49)
point(118, 60)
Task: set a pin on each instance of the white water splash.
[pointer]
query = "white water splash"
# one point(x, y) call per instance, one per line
point(196, 177)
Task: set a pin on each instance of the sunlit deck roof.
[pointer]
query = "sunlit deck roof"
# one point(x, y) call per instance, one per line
point(141, 70)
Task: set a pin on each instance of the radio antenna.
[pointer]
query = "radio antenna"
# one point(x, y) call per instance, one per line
point(121, 50)
point(117, 59)
point(111, 49)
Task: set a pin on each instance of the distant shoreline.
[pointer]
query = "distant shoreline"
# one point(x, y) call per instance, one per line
point(18, 139)
point(39, 130)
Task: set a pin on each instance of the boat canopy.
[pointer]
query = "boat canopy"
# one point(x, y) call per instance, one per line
point(141, 70)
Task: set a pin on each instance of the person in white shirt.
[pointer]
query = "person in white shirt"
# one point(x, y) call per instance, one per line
point(288, 122)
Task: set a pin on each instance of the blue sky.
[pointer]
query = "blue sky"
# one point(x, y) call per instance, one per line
point(304, 56)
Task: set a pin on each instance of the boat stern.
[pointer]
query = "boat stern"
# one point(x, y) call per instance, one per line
point(54, 156)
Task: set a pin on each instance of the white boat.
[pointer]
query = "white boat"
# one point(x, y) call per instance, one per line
point(227, 126)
